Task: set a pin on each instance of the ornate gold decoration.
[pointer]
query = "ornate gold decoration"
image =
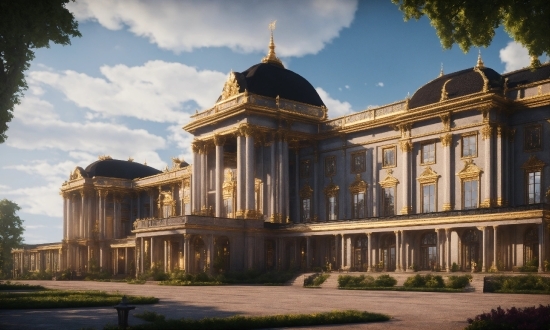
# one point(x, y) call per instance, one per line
point(479, 63)
point(485, 204)
point(389, 181)
point(130, 159)
point(229, 185)
point(406, 146)
point(165, 199)
point(104, 157)
point(470, 171)
point(77, 174)
point(444, 94)
point(231, 86)
point(446, 139)
point(446, 120)
point(486, 131)
point(197, 145)
point(246, 129)
point(276, 218)
point(428, 176)
point(500, 131)
point(548, 195)
point(219, 140)
point(533, 164)
point(406, 210)
point(447, 207)
point(359, 185)
point(306, 191)
point(271, 56)
point(441, 73)
point(331, 190)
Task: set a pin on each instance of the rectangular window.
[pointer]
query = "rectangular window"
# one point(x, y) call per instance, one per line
point(469, 146)
point(330, 166)
point(332, 208)
point(533, 138)
point(428, 153)
point(228, 207)
point(306, 209)
point(471, 198)
point(388, 157)
point(305, 166)
point(533, 187)
point(388, 200)
point(428, 198)
point(358, 162)
point(358, 205)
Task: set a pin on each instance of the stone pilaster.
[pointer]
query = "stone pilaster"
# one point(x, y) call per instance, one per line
point(219, 142)
point(446, 141)
point(406, 148)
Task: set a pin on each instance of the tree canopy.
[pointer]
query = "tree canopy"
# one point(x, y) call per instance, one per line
point(24, 26)
point(472, 22)
point(11, 231)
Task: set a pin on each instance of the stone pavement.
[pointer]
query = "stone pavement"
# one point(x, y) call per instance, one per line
point(410, 310)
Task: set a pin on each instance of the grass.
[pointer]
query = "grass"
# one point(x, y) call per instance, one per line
point(258, 322)
point(66, 298)
point(19, 286)
point(315, 280)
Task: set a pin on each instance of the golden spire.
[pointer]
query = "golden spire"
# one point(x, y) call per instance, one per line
point(271, 57)
point(441, 71)
point(479, 63)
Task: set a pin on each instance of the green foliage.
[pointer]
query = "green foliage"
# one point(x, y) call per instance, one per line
point(530, 266)
point(427, 281)
point(517, 284)
point(24, 26)
point(258, 322)
point(513, 318)
point(455, 267)
point(11, 226)
point(458, 282)
point(315, 280)
point(473, 23)
point(65, 299)
point(365, 281)
point(179, 277)
point(19, 286)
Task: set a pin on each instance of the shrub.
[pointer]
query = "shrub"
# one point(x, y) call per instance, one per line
point(385, 280)
point(530, 266)
point(455, 267)
point(517, 283)
point(315, 280)
point(513, 318)
point(416, 281)
point(365, 281)
point(426, 281)
point(458, 282)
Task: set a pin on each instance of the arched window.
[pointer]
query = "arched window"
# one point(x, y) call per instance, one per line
point(428, 251)
point(531, 245)
point(470, 248)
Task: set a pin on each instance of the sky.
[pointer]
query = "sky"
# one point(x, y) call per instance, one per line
point(129, 84)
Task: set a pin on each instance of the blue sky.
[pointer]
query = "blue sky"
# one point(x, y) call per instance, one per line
point(128, 85)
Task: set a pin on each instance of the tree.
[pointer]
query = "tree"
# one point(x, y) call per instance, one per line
point(11, 230)
point(24, 26)
point(472, 22)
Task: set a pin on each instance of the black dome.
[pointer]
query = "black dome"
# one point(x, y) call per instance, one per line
point(122, 169)
point(270, 80)
point(527, 76)
point(461, 83)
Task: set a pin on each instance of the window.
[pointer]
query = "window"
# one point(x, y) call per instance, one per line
point(532, 138)
point(306, 209)
point(428, 198)
point(332, 208)
point(469, 145)
point(358, 162)
point(388, 201)
point(428, 153)
point(388, 157)
point(470, 193)
point(305, 166)
point(358, 205)
point(531, 245)
point(533, 187)
point(330, 166)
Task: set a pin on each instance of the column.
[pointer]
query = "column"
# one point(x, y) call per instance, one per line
point(280, 178)
point(285, 181)
point(495, 247)
point(446, 141)
point(210, 256)
point(65, 215)
point(297, 184)
point(250, 207)
point(82, 214)
point(273, 182)
point(204, 179)
point(499, 168)
point(484, 249)
point(240, 175)
point(336, 266)
point(369, 252)
point(448, 249)
point(407, 249)
point(116, 215)
point(348, 252)
point(219, 142)
point(195, 181)
point(125, 260)
point(141, 253)
point(406, 147)
point(69, 217)
point(152, 253)
point(542, 246)
point(439, 254)
point(397, 251)
point(343, 251)
point(101, 210)
point(186, 252)
point(90, 220)
point(486, 134)
point(308, 254)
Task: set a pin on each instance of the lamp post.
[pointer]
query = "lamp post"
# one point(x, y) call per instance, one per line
point(122, 310)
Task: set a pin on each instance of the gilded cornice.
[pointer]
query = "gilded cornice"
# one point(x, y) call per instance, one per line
point(306, 191)
point(406, 146)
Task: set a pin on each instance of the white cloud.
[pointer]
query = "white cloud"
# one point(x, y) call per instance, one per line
point(157, 91)
point(303, 27)
point(380, 84)
point(514, 56)
point(335, 107)
point(347, 86)
point(183, 140)
point(42, 200)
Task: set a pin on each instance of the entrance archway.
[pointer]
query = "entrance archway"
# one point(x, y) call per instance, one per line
point(470, 248)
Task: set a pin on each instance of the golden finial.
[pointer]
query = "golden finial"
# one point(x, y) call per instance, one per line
point(130, 159)
point(145, 162)
point(479, 63)
point(271, 56)
point(441, 71)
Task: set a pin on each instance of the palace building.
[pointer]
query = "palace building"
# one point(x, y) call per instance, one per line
point(459, 173)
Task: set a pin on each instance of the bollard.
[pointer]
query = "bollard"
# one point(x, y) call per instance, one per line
point(122, 310)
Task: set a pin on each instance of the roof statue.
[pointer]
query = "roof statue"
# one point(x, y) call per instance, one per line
point(271, 57)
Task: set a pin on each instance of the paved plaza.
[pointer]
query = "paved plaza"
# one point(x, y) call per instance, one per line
point(409, 310)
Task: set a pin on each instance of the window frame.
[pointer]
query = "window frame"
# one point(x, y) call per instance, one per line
point(422, 159)
point(422, 197)
point(528, 129)
point(463, 188)
point(528, 184)
point(394, 150)
point(468, 136)
point(328, 160)
point(354, 169)
point(394, 195)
